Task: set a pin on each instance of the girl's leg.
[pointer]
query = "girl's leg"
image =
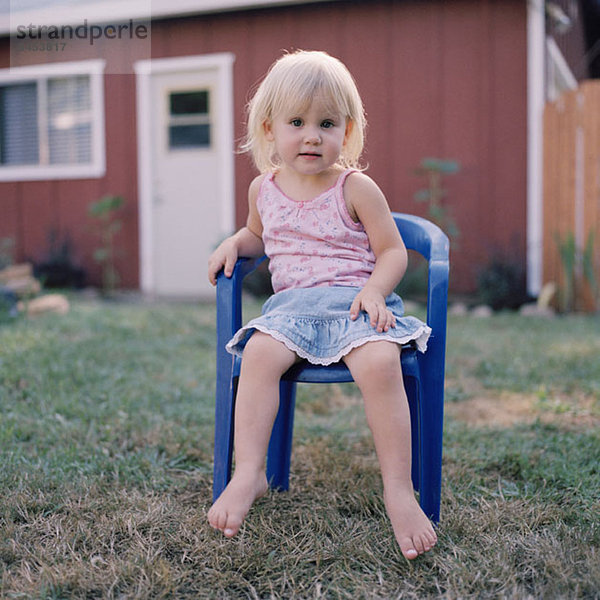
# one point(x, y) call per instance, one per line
point(376, 369)
point(265, 360)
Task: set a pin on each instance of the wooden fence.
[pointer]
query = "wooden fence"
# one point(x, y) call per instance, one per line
point(572, 197)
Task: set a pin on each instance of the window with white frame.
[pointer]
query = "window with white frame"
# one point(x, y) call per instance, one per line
point(52, 121)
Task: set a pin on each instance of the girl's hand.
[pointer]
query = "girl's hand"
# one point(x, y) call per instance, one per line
point(243, 243)
point(373, 303)
point(224, 257)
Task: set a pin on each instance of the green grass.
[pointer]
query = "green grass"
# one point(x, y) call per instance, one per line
point(105, 470)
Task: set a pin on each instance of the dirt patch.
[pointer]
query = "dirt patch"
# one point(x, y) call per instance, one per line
point(505, 409)
point(502, 410)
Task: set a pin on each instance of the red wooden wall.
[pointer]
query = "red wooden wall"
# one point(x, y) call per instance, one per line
point(442, 78)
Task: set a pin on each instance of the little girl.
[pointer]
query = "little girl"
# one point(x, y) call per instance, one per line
point(335, 258)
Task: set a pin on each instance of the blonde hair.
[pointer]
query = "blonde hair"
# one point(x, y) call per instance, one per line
point(291, 84)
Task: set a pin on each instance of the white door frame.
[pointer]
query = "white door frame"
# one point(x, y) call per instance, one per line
point(144, 69)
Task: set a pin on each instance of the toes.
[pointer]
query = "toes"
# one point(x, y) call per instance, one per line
point(419, 544)
point(213, 519)
point(410, 554)
point(429, 539)
point(217, 519)
point(408, 549)
point(232, 526)
point(432, 540)
point(222, 521)
point(416, 545)
point(426, 543)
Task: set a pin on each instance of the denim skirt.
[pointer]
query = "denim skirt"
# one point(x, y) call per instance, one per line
point(315, 324)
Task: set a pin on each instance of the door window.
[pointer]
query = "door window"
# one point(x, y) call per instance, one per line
point(189, 119)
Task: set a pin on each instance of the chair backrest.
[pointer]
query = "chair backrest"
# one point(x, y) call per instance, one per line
point(423, 236)
point(432, 243)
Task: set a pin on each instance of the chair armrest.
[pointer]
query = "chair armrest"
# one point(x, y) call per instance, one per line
point(229, 299)
point(437, 302)
point(423, 236)
point(243, 267)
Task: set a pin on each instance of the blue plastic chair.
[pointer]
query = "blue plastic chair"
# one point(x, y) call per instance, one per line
point(423, 375)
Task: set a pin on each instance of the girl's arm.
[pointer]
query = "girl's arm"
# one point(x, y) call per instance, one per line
point(246, 242)
point(367, 202)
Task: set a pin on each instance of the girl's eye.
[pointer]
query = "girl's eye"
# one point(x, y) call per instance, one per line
point(296, 122)
point(327, 124)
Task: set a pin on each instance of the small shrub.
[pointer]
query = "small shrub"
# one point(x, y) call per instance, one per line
point(8, 305)
point(58, 269)
point(502, 284)
point(7, 246)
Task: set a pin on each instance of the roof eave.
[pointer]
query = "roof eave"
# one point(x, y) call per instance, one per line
point(118, 11)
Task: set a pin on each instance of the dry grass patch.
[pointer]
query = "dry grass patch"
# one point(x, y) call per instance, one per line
point(498, 408)
point(327, 538)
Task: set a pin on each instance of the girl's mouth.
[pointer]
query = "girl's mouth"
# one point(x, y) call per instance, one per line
point(309, 154)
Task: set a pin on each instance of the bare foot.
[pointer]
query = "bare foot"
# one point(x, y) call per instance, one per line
point(413, 530)
point(230, 508)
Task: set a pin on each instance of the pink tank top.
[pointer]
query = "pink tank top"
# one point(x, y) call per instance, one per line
point(313, 243)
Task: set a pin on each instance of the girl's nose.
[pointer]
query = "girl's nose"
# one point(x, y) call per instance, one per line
point(312, 137)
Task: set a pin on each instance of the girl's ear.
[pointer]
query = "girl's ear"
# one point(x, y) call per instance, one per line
point(268, 129)
point(349, 127)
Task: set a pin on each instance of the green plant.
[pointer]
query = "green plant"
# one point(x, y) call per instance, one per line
point(7, 246)
point(105, 210)
point(8, 305)
point(414, 283)
point(589, 267)
point(434, 169)
point(567, 251)
point(578, 266)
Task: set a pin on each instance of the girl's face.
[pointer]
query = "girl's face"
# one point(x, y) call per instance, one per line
point(309, 141)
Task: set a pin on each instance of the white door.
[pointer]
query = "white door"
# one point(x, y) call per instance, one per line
point(188, 183)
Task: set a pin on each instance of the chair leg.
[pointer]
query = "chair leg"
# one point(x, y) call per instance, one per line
point(223, 451)
point(280, 445)
point(411, 385)
point(431, 468)
point(431, 427)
